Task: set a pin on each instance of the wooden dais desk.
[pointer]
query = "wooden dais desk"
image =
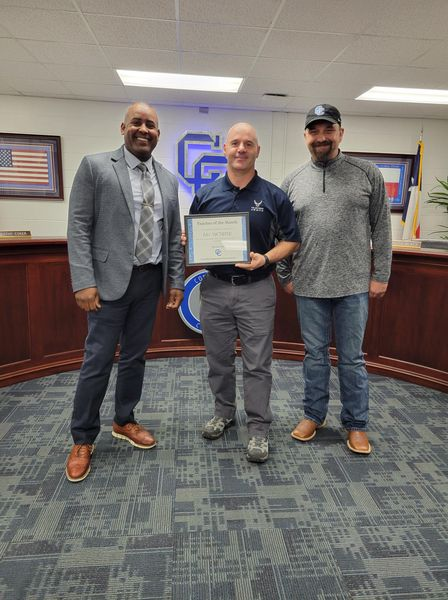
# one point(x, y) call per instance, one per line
point(42, 330)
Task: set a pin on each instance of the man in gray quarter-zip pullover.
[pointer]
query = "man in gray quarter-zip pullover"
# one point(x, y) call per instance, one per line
point(345, 256)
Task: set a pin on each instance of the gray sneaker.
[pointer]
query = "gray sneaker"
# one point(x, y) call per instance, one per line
point(215, 427)
point(258, 449)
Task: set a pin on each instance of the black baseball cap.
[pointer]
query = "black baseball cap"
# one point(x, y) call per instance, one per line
point(323, 112)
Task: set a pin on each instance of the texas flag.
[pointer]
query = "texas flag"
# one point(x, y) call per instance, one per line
point(393, 184)
point(410, 218)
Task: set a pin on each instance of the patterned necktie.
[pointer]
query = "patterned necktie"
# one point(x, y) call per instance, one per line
point(143, 249)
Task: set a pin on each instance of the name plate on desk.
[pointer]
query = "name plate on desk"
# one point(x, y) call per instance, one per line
point(14, 234)
point(217, 239)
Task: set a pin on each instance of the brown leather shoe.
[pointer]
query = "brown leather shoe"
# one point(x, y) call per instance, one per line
point(135, 434)
point(306, 430)
point(78, 462)
point(358, 442)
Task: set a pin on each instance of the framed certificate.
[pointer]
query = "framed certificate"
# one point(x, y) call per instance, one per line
point(217, 238)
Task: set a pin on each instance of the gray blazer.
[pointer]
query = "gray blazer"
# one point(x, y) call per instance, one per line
point(101, 226)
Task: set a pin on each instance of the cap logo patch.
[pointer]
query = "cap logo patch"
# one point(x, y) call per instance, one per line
point(319, 110)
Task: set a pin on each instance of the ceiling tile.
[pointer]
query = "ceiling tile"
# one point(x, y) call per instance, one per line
point(84, 74)
point(153, 95)
point(150, 9)
point(5, 88)
point(427, 78)
point(192, 98)
point(329, 16)
point(261, 100)
point(272, 103)
point(262, 85)
point(305, 46)
point(94, 90)
point(40, 87)
point(255, 13)
point(66, 54)
point(330, 92)
point(302, 103)
point(214, 64)
point(277, 68)
point(44, 4)
point(437, 56)
point(179, 98)
point(385, 51)
point(258, 102)
point(142, 60)
point(33, 24)
point(329, 50)
point(219, 39)
point(413, 19)
point(14, 50)
point(133, 33)
point(395, 109)
point(255, 102)
point(32, 70)
point(349, 72)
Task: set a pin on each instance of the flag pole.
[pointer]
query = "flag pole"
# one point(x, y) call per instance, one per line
point(416, 220)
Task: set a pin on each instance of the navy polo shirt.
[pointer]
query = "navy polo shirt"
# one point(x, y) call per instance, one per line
point(271, 215)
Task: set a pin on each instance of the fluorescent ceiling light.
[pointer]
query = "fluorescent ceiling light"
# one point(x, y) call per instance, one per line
point(395, 94)
point(179, 81)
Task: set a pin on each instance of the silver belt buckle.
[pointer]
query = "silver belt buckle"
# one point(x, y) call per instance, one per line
point(235, 278)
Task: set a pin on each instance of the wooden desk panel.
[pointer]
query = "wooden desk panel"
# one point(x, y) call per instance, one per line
point(43, 331)
point(14, 315)
point(417, 291)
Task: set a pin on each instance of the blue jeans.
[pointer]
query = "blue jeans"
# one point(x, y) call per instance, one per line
point(349, 317)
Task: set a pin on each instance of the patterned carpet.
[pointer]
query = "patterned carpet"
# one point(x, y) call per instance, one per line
point(193, 520)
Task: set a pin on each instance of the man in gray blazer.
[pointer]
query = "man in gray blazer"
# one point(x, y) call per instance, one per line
point(124, 248)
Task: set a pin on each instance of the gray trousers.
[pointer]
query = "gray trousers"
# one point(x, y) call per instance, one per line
point(245, 311)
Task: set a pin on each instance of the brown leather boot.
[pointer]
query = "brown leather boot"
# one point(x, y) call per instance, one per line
point(358, 442)
point(135, 434)
point(306, 430)
point(78, 462)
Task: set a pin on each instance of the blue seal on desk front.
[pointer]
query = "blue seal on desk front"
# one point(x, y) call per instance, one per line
point(189, 309)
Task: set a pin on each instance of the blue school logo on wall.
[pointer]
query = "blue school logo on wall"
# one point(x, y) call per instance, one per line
point(200, 158)
point(189, 309)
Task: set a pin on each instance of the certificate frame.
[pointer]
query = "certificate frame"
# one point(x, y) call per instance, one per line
point(228, 241)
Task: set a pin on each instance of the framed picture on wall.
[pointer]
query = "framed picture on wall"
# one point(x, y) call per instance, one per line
point(396, 170)
point(30, 166)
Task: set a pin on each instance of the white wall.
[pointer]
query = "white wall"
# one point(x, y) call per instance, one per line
point(87, 127)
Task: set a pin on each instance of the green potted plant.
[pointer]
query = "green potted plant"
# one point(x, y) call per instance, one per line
point(439, 195)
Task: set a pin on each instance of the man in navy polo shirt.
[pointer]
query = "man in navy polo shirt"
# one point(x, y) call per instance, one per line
point(239, 300)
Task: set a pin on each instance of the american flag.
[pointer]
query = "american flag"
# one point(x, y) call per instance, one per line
point(23, 166)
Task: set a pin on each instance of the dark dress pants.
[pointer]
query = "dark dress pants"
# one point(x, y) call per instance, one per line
point(128, 320)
